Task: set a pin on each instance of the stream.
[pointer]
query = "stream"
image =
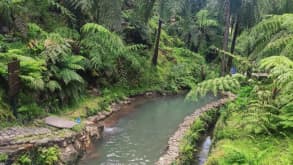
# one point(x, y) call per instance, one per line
point(138, 134)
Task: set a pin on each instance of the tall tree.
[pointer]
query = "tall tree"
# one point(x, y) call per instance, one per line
point(226, 35)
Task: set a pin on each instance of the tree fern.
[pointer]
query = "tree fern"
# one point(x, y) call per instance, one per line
point(106, 51)
point(286, 116)
point(30, 68)
point(281, 74)
point(222, 84)
point(281, 71)
point(68, 75)
point(53, 86)
point(272, 36)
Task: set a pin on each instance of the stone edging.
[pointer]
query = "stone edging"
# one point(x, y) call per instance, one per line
point(172, 152)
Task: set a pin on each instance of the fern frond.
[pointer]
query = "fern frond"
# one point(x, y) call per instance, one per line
point(276, 61)
point(53, 86)
point(68, 76)
point(222, 84)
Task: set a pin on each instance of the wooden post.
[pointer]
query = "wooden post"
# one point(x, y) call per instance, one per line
point(14, 84)
point(156, 52)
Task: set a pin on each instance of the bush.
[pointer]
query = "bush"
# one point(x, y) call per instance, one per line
point(29, 112)
point(48, 156)
point(3, 157)
point(41, 156)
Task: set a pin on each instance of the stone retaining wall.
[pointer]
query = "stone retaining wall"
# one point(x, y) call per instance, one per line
point(17, 141)
point(172, 152)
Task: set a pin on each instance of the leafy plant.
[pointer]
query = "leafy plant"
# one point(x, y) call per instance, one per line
point(48, 156)
point(3, 157)
point(23, 160)
point(222, 84)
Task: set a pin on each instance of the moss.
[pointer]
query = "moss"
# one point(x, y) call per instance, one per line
point(3, 157)
point(78, 127)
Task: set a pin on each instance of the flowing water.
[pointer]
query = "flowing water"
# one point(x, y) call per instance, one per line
point(138, 134)
point(205, 149)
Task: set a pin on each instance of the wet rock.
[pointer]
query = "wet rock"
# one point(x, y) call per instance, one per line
point(77, 145)
point(69, 155)
point(149, 93)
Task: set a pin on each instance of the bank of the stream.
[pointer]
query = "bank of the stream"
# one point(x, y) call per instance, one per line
point(243, 137)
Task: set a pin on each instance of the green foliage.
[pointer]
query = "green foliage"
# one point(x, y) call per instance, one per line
point(5, 113)
point(281, 73)
point(31, 68)
point(97, 11)
point(78, 128)
point(30, 112)
point(184, 73)
point(48, 156)
point(254, 114)
point(23, 160)
point(45, 156)
point(192, 137)
point(98, 43)
point(3, 157)
point(270, 37)
point(222, 84)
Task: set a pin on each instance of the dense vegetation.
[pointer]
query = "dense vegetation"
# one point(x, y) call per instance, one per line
point(77, 50)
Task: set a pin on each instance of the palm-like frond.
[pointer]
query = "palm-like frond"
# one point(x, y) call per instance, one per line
point(270, 37)
point(53, 86)
point(68, 76)
point(62, 9)
point(281, 71)
point(222, 84)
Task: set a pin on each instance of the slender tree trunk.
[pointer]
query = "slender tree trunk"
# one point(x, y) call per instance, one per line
point(226, 36)
point(156, 52)
point(235, 35)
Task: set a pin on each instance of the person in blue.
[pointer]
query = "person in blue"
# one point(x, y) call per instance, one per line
point(78, 120)
point(233, 70)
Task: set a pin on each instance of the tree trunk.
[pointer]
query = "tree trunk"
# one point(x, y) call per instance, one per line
point(156, 52)
point(235, 35)
point(226, 36)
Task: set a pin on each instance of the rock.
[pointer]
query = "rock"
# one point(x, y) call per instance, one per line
point(93, 119)
point(77, 145)
point(87, 122)
point(41, 141)
point(149, 93)
point(59, 122)
point(93, 131)
point(108, 113)
point(69, 155)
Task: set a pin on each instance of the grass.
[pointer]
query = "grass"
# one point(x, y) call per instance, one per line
point(260, 150)
point(80, 109)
